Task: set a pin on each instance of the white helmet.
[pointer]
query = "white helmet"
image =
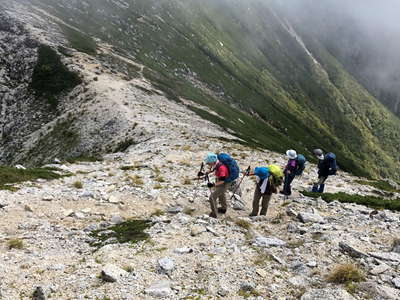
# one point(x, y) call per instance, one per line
point(291, 154)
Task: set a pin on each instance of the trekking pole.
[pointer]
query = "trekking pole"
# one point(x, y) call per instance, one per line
point(198, 180)
point(246, 173)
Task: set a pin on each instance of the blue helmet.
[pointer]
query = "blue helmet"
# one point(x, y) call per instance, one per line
point(211, 158)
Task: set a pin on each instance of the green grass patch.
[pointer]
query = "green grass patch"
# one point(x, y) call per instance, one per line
point(380, 184)
point(131, 231)
point(78, 40)
point(370, 201)
point(10, 175)
point(50, 76)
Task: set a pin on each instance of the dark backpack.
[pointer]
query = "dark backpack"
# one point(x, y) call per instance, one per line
point(301, 164)
point(330, 159)
point(231, 164)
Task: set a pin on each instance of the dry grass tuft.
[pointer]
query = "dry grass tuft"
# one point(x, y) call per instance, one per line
point(243, 223)
point(15, 244)
point(346, 274)
point(78, 184)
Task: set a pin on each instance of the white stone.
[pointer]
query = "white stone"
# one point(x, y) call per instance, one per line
point(166, 264)
point(112, 273)
point(261, 241)
point(160, 289)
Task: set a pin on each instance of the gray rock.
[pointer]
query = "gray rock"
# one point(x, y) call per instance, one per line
point(183, 250)
point(247, 286)
point(396, 282)
point(389, 256)
point(112, 273)
point(312, 264)
point(310, 218)
point(396, 246)
point(197, 229)
point(291, 212)
point(378, 291)
point(166, 264)
point(175, 209)
point(223, 292)
point(116, 219)
point(160, 289)
point(327, 294)
point(299, 268)
point(261, 241)
point(298, 281)
point(353, 252)
point(114, 199)
point(87, 194)
point(48, 198)
point(382, 268)
point(212, 230)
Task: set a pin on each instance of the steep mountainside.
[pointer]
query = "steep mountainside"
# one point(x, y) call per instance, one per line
point(248, 66)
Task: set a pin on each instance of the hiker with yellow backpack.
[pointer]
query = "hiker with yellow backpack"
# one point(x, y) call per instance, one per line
point(268, 179)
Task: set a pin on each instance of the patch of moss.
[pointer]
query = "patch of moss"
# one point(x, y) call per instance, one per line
point(131, 231)
point(370, 201)
point(10, 175)
point(50, 77)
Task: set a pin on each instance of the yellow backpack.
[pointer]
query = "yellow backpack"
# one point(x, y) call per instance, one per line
point(277, 173)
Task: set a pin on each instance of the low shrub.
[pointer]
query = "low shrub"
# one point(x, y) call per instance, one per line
point(370, 201)
point(10, 175)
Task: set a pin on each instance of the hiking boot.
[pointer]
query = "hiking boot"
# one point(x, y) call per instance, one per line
point(211, 215)
point(221, 210)
point(252, 215)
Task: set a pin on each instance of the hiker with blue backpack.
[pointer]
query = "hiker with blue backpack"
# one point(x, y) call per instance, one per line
point(326, 166)
point(267, 181)
point(294, 167)
point(226, 171)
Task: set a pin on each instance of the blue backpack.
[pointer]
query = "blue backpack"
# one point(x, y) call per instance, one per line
point(330, 158)
point(261, 172)
point(232, 165)
point(301, 164)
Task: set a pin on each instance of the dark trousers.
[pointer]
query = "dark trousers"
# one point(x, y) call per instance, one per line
point(319, 186)
point(287, 189)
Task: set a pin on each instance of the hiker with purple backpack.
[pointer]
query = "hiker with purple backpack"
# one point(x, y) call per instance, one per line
point(294, 167)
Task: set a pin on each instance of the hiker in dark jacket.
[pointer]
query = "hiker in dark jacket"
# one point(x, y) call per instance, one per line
point(290, 172)
point(265, 187)
point(324, 170)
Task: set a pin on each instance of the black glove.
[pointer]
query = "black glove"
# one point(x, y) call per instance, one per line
point(200, 174)
point(210, 185)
